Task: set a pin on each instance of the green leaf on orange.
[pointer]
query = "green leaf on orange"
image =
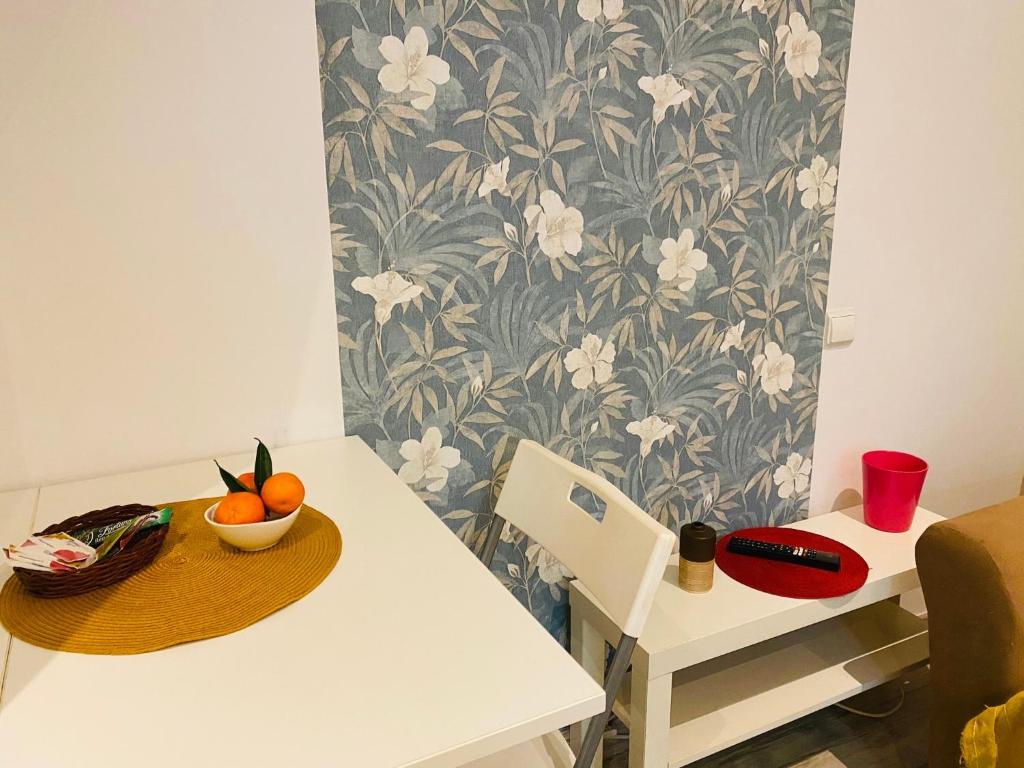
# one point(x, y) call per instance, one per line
point(233, 483)
point(264, 466)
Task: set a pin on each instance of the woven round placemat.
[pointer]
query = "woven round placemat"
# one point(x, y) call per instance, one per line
point(196, 587)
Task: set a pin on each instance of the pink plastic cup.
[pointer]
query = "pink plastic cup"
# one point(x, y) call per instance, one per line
point(892, 488)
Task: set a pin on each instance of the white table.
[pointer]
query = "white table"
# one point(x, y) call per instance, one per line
point(713, 670)
point(409, 654)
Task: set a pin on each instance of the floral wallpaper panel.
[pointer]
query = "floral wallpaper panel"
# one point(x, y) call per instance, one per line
point(604, 225)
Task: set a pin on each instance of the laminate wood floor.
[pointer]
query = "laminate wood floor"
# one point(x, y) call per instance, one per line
point(831, 738)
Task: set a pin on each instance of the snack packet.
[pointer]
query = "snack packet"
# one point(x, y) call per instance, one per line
point(51, 552)
point(54, 565)
point(112, 538)
point(54, 542)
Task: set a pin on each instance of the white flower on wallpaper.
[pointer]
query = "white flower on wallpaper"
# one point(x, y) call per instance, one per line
point(681, 261)
point(733, 337)
point(495, 178)
point(411, 68)
point(666, 92)
point(650, 431)
point(591, 9)
point(550, 570)
point(389, 290)
point(794, 476)
point(559, 228)
point(775, 369)
point(591, 362)
point(818, 183)
point(428, 461)
point(508, 533)
point(802, 46)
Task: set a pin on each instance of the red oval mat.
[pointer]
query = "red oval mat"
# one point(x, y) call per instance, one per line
point(789, 579)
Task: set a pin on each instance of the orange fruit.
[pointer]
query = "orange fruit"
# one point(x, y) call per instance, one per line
point(283, 493)
point(248, 480)
point(237, 508)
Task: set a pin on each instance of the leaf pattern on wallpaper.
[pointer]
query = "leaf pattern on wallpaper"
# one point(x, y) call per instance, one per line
point(603, 225)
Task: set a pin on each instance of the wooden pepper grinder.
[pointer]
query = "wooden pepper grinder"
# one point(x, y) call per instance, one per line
point(697, 557)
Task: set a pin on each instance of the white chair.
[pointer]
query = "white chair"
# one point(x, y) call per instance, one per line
point(620, 560)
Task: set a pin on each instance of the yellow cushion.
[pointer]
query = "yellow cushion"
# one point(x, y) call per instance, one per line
point(995, 738)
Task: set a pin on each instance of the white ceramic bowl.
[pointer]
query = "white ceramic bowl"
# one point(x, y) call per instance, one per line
point(252, 537)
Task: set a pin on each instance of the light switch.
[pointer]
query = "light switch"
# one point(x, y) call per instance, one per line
point(840, 324)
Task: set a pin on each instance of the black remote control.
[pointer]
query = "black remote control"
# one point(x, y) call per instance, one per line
point(814, 558)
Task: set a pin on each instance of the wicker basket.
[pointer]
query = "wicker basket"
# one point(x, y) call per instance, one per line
point(133, 558)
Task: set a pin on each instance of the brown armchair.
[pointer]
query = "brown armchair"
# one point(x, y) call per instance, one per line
point(972, 573)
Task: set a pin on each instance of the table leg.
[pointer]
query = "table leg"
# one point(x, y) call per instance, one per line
point(588, 648)
point(649, 719)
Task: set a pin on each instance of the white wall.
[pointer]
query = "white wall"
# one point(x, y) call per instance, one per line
point(165, 275)
point(928, 249)
point(165, 286)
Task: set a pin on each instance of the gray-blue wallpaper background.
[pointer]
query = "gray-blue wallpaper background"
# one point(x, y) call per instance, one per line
point(604, 225)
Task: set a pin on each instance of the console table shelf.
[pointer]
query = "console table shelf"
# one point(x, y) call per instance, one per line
point(735, 697)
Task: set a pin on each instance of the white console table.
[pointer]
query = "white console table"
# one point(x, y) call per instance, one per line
point(713, 670)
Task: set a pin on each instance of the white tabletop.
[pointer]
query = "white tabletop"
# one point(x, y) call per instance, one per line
point(16, 510)
point(409, 654)
point(685, 629)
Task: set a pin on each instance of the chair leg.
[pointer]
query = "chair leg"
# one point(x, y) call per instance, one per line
point(491, 542)
point(591, 651)
point(613, 680)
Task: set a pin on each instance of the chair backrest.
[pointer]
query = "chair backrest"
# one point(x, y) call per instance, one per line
point(620, 559)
